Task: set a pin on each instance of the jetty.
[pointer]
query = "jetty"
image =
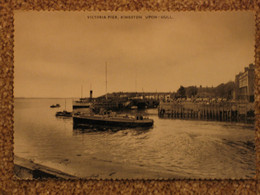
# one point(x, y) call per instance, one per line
point(219, 111)
point(27, 169)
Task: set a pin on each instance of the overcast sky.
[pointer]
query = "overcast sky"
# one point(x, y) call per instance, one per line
point(58, 52)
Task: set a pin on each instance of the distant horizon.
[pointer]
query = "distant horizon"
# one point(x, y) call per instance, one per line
point(83, 96)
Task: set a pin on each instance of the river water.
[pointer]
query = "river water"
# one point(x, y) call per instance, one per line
point(170, 149)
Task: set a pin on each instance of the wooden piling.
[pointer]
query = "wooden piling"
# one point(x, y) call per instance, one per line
point(215, 111)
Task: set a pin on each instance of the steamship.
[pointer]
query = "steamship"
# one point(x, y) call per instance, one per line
point(83, 104)
point(111, 119)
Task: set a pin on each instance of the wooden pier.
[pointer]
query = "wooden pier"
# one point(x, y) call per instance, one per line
point(219, 111)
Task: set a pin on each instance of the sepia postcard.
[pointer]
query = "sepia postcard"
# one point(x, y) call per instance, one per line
point(134, 95)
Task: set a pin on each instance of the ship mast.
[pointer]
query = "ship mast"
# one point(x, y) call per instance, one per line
point(135, 84)
point(81, 91)
point(106, 80)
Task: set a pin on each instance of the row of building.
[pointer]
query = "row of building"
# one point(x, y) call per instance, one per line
point(242, 89)
point(245, 84)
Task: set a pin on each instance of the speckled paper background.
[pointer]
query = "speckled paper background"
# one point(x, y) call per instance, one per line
point(9, 185)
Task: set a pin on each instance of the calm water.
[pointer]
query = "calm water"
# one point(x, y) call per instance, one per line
point(171, 149)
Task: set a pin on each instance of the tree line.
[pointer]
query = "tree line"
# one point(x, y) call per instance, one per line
point(224, 90)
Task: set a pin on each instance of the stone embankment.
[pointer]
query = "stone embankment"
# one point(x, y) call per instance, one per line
point(27, 169)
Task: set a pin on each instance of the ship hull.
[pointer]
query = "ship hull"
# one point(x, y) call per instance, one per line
point(81, 121)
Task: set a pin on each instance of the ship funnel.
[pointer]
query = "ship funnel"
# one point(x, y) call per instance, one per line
point(90, 94)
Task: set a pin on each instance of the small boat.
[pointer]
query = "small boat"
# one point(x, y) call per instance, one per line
point(55, 106)
point(64, 113)
point(112, 120)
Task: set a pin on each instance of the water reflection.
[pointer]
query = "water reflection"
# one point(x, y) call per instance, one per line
point(90, 128)
point(59, 118)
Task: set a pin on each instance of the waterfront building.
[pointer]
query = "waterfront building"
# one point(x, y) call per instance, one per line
point(244, 84)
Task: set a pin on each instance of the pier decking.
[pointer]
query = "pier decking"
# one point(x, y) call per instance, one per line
point(220, 111)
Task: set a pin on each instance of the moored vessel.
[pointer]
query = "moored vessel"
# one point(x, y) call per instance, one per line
point(64, 113)
point(83, 104)
point(55, 106)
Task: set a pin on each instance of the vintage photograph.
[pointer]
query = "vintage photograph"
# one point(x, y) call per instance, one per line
point(134, 95)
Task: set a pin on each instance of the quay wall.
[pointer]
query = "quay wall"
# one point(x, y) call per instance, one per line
point(220, 111)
